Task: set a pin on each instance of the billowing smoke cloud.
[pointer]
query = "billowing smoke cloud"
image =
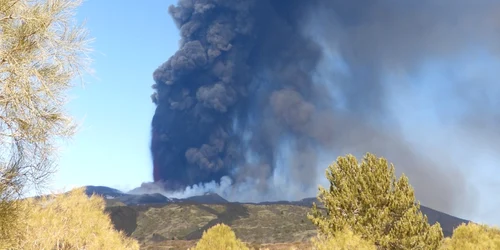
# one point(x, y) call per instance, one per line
point(235, 75)
point(268, 92)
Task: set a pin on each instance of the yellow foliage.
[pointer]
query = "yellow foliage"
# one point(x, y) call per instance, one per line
point(69, 221)
point(473, 237)
point(9, 207)
point(368, 199)
point(343, 240)
point(9, 216)
point(220, 236)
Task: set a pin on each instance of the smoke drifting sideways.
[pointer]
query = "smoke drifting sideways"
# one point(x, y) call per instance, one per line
point(263, 94)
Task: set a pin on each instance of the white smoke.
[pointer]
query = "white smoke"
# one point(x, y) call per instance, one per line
point(195, 190)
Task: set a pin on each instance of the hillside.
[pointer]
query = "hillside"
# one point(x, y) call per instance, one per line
point(151, 224)
point(158, 222)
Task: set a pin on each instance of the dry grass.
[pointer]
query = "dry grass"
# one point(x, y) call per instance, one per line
point(283, 246)
point(170, 245)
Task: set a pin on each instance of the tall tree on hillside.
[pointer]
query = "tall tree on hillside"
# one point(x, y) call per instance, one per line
point(41, 52)
point(367, 199)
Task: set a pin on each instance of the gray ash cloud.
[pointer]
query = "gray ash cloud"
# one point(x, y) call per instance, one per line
point(250, 77)
point(233, 74)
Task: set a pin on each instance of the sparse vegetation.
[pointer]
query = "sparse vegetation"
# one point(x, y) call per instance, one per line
point(259, 224)
point(366, 198)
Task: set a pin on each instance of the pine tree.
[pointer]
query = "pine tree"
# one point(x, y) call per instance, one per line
point(368, 199)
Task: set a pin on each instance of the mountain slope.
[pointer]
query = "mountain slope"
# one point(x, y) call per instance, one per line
point(252, 223)
point(154, 219)
point(160, 225)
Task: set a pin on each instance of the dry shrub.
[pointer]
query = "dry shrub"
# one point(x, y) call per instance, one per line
point(220, 236)
point(343, 240)
point(69, 221)
point(473, 236)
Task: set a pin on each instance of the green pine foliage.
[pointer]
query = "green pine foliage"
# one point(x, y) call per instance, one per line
point(367, 198)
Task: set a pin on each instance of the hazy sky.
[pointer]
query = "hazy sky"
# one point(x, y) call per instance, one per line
point(114, 108)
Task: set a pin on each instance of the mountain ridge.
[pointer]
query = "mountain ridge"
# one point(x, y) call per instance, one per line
point(114, 196)
point(160, 222)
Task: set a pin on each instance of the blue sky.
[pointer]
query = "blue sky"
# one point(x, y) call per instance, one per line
point(114, 107)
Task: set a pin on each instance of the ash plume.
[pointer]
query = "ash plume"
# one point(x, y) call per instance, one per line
point(268, 92)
